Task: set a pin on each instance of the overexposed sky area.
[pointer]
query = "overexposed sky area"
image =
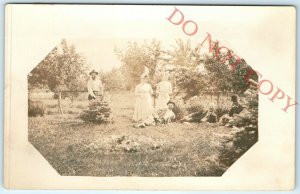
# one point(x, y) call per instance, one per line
point(260, 34)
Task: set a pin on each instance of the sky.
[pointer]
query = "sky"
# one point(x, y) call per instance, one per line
point(99, 30)
point(100, 53)
point(264, 36)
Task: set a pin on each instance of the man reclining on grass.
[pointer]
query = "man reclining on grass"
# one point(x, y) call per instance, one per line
point(210, 116)
point(161, 116)
point(235, 109)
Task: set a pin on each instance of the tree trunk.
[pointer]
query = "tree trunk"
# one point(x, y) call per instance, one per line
point(59, 103)
point(72, 100)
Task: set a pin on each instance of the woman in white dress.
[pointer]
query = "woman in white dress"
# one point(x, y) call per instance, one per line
point(163, 91)
point(143, 106)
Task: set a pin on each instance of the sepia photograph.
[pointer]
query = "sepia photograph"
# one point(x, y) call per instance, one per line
point(151, 97)
point(155, 110)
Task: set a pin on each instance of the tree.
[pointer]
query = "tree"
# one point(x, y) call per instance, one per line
point(59, 70)
point(77, 86)
point(136, 57)
point(113, 80)
point(217, 74)
point(183, 55)
point(190, 81)
point(186, 59)
point(98, 112)
point(228, 74)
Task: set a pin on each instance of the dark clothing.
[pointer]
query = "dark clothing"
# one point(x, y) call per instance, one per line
point(96, 94)
point(235, 109)
point(91, 98)
point(195, 117)
point(211, 117)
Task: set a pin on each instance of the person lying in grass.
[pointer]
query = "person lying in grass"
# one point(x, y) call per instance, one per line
point(161, 116)
point(235, 109)
point(210, 116)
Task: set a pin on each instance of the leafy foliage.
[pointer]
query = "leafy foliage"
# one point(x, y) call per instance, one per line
point(227, 73)
point(98, 112)
point(190, 81)
point(60, 70)
point(183, 55)
point(215, 71)
point(36, 108)
point(113, 80)
point(136, 57)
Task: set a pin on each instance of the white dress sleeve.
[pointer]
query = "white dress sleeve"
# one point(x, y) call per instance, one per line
point(136, 90)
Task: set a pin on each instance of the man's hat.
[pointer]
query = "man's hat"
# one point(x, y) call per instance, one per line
point(234, 98)
point(170, 102)
point(93, 72)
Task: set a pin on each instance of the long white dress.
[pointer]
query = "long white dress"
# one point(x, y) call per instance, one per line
point(164, 89)
point(143, 105)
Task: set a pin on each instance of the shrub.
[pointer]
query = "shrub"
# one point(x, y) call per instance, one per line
point(98, 112)
point(195, 108)
point(36, 108)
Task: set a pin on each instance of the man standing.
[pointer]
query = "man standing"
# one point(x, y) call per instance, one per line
point(95, 87)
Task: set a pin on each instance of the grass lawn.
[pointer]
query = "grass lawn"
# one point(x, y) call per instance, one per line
point(74, 147)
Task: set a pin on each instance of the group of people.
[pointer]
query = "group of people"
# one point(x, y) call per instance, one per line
point(211, 116)
point(146, 113)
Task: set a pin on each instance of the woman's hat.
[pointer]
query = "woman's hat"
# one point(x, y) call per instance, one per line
point(93, 72)
point(144, 76)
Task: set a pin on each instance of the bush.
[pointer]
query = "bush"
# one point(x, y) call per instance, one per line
point(36, 108)
point(195, 108)
point(98, 112)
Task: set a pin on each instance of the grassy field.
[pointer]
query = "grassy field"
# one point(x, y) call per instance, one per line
point(74, 147)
